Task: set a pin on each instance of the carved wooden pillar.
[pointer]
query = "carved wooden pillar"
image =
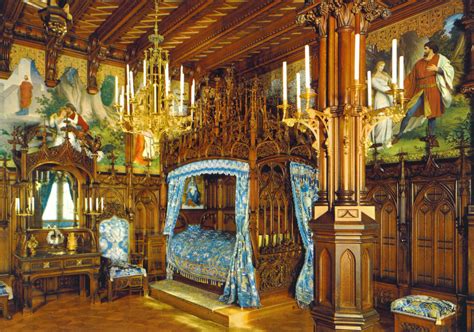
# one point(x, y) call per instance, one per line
point(344, 230)
point(12, 10)
point(97, 53)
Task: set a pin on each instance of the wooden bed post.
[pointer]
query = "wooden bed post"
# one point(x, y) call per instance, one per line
point(253, 178)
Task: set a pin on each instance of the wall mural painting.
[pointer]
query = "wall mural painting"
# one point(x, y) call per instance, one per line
point(26, 101)
point(435, 107)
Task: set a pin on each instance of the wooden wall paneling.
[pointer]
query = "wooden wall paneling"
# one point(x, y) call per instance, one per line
point(434, 247)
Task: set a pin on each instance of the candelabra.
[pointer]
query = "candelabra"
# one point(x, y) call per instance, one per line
point(93, 206)
point(27, 209)
point(309, 119)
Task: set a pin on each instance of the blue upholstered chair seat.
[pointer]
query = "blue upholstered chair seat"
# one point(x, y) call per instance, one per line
point(115, 248)
point(424, 306)
point(126, 270)
point(6, 290)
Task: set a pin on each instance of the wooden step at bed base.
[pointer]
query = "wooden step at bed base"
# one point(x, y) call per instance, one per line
point(230, 315)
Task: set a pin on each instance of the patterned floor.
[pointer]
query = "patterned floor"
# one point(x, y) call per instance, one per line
point(134, 313)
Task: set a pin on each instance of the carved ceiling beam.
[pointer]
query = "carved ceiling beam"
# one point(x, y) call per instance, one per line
point(122, 19)
point(10, 13)
point(272, 58)
point(174, 22)
point(249, 43)
point(79, 8)
point(242, 16)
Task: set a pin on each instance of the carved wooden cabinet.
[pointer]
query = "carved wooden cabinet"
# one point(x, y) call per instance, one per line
point(155, 255)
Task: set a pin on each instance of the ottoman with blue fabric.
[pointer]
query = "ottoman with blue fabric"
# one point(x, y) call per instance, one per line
point(415, 312)
point(6, 294)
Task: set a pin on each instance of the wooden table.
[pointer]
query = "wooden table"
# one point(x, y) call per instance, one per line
point(54, 264)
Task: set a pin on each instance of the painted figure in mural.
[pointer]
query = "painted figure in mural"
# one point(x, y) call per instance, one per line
point(429, 89)
point(193, 197)
point(144, 148)
point(26, 96)
point(76, 119)
point(382, 133)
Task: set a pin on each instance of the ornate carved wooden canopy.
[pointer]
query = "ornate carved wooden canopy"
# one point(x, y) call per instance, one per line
point(203, 34)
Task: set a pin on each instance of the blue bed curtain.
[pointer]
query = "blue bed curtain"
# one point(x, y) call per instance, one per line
point(304, 184)
point(240, 287)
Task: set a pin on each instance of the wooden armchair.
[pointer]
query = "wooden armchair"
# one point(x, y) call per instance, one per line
point(120, 274)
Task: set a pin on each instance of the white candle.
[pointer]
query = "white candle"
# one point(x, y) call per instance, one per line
point(90, 203)
point(394, 61)
point(116, 90)
point(17, 202)
point(357, 57)
point(193, 87)
point(307, 67)
point(401, 76)
point(102, 203)
point(85, 204)
point(144, 72)
point(128, 93)
point(132, 88)
point(128, 72)
point(122, 99)
point(298, 92)
point(369, 88)
point(167, 80)
point(181, 92)
point(285, 84)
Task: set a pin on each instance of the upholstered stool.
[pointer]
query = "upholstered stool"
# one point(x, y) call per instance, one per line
point(6, 294)
point(425, 313)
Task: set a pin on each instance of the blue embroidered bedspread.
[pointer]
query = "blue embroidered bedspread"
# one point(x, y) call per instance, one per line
point(202, 255)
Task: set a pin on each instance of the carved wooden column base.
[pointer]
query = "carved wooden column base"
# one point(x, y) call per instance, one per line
point(343, 258)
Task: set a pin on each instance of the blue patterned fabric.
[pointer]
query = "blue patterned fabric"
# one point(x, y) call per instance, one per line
point(114, 244)
point(114, 240)
point(240, 286)
point(6, 290)
point(126, 270)
point(202, 255)
point(424, 306)
point(304, 184)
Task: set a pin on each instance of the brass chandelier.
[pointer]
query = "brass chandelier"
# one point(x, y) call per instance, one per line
point(154, 109)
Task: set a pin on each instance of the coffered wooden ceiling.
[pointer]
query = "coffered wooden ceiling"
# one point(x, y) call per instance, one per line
point(204, 34)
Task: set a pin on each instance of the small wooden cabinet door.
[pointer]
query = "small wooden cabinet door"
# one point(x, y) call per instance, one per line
point(156, 255)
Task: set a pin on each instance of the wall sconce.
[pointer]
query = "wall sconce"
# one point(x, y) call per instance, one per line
point(93, 207)
point(28, 210)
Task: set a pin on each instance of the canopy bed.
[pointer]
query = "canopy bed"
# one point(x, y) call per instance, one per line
point(267, 232)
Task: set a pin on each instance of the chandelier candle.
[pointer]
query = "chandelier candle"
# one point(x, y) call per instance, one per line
point(307, 68)
point(144, 72)
point(167, 80)
point(285, 84)
point(181, 92)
